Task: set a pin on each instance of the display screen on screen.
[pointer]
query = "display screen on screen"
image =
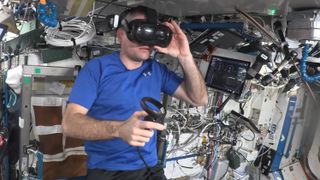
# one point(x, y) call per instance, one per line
point(227, 75)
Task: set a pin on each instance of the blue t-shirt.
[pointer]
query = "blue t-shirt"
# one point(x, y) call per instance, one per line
point(112, 92)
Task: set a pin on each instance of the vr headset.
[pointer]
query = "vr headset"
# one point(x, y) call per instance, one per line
point(147, 31)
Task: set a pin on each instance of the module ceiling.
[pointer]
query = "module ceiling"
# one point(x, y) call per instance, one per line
point(203, 7)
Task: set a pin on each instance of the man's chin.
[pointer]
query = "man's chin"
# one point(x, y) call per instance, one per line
point(142, 58)
point(139, 60)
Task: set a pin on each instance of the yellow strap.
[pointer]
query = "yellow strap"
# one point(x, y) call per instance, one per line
point(87, 8)
point(75, 7)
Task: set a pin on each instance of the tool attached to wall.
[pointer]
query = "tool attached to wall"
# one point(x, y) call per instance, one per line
point(262, 58)
point(289, 58)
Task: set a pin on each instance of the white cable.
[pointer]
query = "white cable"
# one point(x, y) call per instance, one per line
point(186, 120)
point(77, 30)
point(180, 146)
point(91, 13)
point(202, 131)
point(196, 126)
point(71, 33)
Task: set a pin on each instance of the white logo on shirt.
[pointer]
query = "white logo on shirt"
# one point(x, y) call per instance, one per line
point(145, 74)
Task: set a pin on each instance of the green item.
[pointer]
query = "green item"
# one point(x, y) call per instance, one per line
point(234, 159)
point(27, 80)
point(53, 54)
point(37, 70)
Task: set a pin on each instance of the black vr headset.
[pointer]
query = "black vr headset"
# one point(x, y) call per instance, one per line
point(146, 31)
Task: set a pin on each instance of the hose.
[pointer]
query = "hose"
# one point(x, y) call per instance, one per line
point(303, 66)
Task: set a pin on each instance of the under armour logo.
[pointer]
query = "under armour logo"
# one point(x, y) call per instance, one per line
point(147, 73)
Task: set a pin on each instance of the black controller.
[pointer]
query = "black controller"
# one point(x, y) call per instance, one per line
point(156, 116)
point(153, 115)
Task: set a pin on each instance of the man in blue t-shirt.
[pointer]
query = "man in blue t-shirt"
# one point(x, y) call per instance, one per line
point(104, 105)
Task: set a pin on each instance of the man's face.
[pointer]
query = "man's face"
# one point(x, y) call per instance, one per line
point(131, 50)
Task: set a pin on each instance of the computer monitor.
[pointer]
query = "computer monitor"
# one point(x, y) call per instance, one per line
point(227, 75)
point(3, 30)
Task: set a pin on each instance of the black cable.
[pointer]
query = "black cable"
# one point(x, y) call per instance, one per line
point(241, 108)
point(224, 103)
point(187, 167)
point(150, 172)
point(224, 175)
point(104, 7)
point(239, 153)
point(242, 105)
point(315, 50)
point(275, 57)
point(144, 161)
point(254, 136)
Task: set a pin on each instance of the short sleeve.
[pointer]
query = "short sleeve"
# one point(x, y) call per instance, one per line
point(85, 88)
point(170, 80)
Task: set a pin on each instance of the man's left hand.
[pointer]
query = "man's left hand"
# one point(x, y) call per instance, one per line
point(179, 45)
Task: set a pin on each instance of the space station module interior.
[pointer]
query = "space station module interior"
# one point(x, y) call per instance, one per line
point(260, 61)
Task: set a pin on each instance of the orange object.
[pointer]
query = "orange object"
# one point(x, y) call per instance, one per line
point(43, 2)
point(207, 54)
point(1, 140)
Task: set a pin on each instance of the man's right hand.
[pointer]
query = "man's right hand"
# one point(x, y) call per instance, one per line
point(137, 132)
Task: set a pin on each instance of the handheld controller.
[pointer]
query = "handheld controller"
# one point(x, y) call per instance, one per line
point(156, 116)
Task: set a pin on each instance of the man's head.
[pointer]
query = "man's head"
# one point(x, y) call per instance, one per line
point(139, 32)
point(150, 15)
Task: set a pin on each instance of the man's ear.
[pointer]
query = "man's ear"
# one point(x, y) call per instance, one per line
point(120, 34)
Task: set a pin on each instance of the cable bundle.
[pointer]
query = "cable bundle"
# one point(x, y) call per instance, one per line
point(70, 33)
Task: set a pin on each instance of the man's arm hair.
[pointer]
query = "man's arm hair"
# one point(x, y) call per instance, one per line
point(192, 89)
point(77, 124)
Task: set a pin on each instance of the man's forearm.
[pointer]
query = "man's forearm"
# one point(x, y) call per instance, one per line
point(84, 127)
point(195, 85)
